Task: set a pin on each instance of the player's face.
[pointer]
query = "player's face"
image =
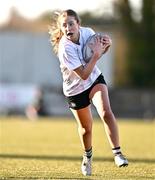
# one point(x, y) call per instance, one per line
point(70, 28)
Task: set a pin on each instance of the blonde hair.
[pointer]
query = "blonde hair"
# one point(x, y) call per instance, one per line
point(55, 30)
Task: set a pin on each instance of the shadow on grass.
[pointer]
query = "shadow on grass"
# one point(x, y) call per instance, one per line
point(20, 178)
point(71, 158)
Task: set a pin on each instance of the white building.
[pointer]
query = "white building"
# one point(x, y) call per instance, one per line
point(27, 57)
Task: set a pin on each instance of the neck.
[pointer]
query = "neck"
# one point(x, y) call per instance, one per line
point(77, 40)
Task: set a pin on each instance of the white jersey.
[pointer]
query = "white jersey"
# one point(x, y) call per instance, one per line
point(70, 57)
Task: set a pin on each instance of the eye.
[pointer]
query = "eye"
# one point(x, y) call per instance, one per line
point(71, 24)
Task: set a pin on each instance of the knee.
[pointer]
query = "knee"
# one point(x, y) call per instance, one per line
point(85, 130)
point(108, 114)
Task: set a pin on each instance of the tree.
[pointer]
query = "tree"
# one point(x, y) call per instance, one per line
point(141, 43)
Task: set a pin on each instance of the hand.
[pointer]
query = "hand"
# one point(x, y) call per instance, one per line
point(97, 47)
point(107, 42)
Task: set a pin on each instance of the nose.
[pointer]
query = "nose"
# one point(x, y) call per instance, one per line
point(67, 27)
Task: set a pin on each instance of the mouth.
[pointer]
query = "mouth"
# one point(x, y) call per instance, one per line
point(69, 34)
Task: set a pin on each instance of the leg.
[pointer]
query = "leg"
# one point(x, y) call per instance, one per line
point(100, 98)
point(84, 120)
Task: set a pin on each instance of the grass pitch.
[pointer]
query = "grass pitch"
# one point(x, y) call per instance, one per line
point(50, 149)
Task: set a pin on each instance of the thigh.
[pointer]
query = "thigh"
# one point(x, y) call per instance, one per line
point(83, 116)
point(100, 98)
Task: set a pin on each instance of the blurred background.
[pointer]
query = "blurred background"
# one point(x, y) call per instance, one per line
point(30, 79)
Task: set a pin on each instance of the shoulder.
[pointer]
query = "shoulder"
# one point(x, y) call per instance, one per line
point(66, 46)
point(64, 43)
point(87, 31)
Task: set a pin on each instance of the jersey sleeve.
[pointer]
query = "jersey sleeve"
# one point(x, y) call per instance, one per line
point(70, 58)
point(89, 32)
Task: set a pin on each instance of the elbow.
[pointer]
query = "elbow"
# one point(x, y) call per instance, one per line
point(82, 74)
point(84, 77)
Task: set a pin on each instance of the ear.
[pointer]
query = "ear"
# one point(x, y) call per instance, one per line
point(79, 24)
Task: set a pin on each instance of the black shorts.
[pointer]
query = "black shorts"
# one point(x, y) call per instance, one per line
point(82, 100)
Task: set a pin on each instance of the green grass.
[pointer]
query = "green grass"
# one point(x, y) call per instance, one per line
point(51, 149)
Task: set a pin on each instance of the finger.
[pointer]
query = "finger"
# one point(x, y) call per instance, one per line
point(108, 41)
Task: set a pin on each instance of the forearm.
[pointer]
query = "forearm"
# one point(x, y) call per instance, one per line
point(85, 71)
